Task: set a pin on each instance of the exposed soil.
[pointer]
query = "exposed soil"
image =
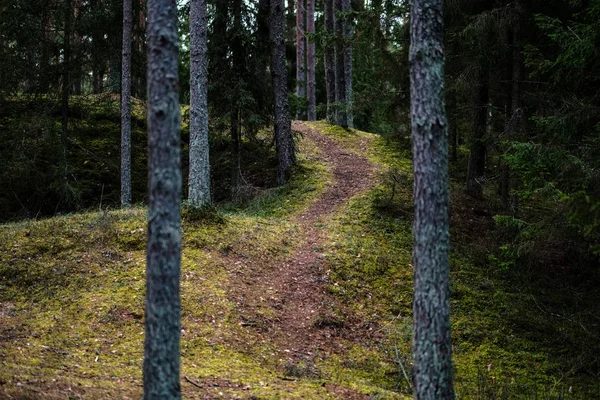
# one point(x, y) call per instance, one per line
point(305, 322)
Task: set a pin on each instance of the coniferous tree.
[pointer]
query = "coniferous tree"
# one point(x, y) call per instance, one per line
point(340, 63)
point(432, 350)
point(126, 106)
point(163, 309)
point(66, 82)
point(300, 56)
point(347, 28)
point(478, 147)
point(199, 176)
point(310, 61)
point(329, 50)
point(283, 132)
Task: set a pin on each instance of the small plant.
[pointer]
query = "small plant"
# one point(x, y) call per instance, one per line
point(206, 215)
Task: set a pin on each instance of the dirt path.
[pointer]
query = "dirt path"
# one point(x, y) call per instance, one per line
point(304, 324)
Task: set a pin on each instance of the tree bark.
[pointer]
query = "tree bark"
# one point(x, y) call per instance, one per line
point(163, 310)
point(66, 73)
point(283, 130)
point(329, 45)
point(199, 178)
point(114, 40)
point(340, 75)
point(347, 27)
point(432, 360)
point(310, 61)
point(300, 57)
point(126, 107)
point(236, 128)
point(477, 154)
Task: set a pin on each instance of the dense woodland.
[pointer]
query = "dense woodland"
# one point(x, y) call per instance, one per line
point(89, 88)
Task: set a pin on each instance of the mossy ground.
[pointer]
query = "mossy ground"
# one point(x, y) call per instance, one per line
point(72, 295)
point(505, 346)
point(72, 300)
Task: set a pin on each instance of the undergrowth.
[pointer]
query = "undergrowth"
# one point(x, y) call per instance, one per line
point(72, 299)
point(515, 335)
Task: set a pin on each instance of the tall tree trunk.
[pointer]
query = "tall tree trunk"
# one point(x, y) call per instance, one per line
point(138, 83)
point(347, 27)
point(98, 63)
point(115, 43)
point(283, 131)
point(264, 45)
point(45, 56)
point(329, 45)
point(340, 75)
point(310, 61)
point(77, 68)
point(478, 147)
point(453, 123)
point(300, 57)
point(236, 128)
point(163, 307)
point(199, 179)
point(236, 157)
point(66, 72)
point(432, 358)
point(126, 107)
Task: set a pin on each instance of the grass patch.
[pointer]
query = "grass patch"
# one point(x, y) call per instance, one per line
point(504, 344)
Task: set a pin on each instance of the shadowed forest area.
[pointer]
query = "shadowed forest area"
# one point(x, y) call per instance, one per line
point(329, 199)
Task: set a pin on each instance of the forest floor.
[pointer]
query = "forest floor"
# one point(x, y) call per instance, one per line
point(273, 329)
point(301, 292)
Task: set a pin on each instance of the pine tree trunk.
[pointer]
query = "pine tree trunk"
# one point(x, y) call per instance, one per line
point(263, 47)
point(432, 358)
point(340, 75)
point(310, 61)
point(66, 73)
point(199, 178)
point(476, 169)
point(77, 69)
point(236, 157)
point(163, 309)
point(300, 57)
point(236, 129)
point(347, 26)
point(126, 107)
point(283, 130)
point(329, 45)
point(45, 56)
point(115, 43)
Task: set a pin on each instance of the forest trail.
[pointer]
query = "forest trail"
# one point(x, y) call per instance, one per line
point(303, 322)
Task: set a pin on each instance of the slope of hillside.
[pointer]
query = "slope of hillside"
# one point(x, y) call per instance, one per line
point(303, 292)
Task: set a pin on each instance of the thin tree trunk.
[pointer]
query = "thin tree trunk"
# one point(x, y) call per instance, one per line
point(283, 130)
point(347, 27)
point(126, 107)
point(45, 60)
point(517, 120)
point(310, 61)
point(77, 69)
point(114, 61)
point(340, 76)
point(432, 358)
point(199, 179)
point(66, 84)
point(300, 57)
point(236, 158)
point(163, 307)
point(263, 45)
point(453, 122)
point(329, 45)
point(236, 128)
point(476, 169)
